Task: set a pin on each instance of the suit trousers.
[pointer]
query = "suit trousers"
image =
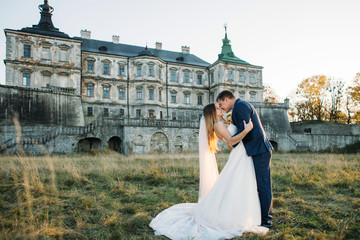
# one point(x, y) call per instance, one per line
point(263, 179)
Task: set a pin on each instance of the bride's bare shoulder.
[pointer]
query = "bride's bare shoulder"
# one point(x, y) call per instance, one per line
point(220, 125)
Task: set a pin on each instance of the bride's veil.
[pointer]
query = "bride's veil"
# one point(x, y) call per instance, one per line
point(208, 166)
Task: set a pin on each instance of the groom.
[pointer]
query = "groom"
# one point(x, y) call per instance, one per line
point(256, 144)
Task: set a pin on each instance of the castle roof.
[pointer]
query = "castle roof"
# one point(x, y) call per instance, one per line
point(45, 25)
point(227, 55)
point(120, 49)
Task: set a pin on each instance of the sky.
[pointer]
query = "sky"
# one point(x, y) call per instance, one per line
point(292, 39)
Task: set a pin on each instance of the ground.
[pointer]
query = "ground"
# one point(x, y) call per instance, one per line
point(110, 196)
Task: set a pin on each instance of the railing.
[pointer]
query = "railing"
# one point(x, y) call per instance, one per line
point(291, 139)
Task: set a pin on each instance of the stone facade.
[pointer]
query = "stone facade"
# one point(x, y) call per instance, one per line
point(75, 94)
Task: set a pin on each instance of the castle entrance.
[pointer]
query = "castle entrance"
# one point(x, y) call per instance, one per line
point(114, 144)
point(88, 144)
point(274, 144)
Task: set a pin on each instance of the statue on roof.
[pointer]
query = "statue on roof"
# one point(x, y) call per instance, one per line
point(46, 7)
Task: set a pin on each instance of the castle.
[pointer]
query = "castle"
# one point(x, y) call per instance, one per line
point(77, 93)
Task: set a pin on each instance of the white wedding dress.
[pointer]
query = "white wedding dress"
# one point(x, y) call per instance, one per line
point(230, 207)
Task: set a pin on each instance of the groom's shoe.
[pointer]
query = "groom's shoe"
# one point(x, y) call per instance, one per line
point(267, 225)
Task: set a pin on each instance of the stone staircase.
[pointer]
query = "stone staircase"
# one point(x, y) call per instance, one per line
point(50, 135)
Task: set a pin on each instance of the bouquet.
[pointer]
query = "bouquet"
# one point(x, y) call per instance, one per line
point(228, 119)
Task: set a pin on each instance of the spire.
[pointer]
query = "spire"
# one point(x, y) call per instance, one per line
point(46, 14)
point(45, 25)
point(227, 55)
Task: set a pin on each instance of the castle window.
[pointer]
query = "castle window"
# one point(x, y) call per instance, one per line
point(242, 95)
point(253, 97)
point(199, 79)
point(27, 51)
point(122, 93)
point(200, 102)
point(90, 66)
point(160, 73)
point(173, 115)
point(151, 94)
point(106, 92)
point(106, 112)
point(186, 77)
point(151, 113)
point(64, 54)
point(151, 71)
point(121, 70)
point(212, 97)
point(122, 112)
point(186, 116)
point(138, 71)
point(173, 97)
point(242, 77)
point(26, 79)
point(138, 113)
point(106, 69)
point(187, 98)
point(90, 90)
point(138, 94)
point(307, 131)
point(160, 99)
point(252, 78)
point(161, 115)
point(45, 53)
point(173, 76)
point(89, 111)
point(212, 77)
point(231, 76)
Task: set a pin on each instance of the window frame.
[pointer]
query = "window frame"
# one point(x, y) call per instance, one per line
point(138, 94)
point(27, 51)
point(26, 80)
point(108, 91)
point(199, 79)
point(92, 90)
point(90, 111)
point(121, 93)
point(172, 97)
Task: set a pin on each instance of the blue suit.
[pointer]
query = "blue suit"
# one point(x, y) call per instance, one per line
point(259, 147)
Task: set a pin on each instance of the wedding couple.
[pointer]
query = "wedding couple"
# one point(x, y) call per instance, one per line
point(240, 198)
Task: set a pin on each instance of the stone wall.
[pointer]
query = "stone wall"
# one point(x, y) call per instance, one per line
point(318, 127)
point(36, 106)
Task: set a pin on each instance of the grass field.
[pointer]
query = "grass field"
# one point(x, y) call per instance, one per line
point(110, 196)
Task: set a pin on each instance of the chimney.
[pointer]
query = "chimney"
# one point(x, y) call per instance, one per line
point(158, 45)
point(115, 38)
point(85, 34)
point(185, 49)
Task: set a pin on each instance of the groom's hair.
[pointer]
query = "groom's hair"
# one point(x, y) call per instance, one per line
point(225, 94)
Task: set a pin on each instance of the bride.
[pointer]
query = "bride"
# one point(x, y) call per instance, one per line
point(228, 203)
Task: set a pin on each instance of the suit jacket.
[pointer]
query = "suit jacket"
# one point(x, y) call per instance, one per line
point(255, 141)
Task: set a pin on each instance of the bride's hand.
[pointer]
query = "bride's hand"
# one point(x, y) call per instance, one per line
point(248, 126)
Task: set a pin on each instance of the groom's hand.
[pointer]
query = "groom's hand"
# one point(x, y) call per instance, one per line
point(230, 147)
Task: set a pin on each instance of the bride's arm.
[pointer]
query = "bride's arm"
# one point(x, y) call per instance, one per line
point(222, 132)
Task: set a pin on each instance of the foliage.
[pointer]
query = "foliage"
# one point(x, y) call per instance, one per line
point(327, 99)
point(353, 100)
point(316, 196)
point(312, 94)
point(270, 95)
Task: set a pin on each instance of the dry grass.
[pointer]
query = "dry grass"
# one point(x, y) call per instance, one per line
point(110, 196)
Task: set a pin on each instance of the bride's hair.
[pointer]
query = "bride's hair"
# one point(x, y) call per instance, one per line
point(210, 120)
